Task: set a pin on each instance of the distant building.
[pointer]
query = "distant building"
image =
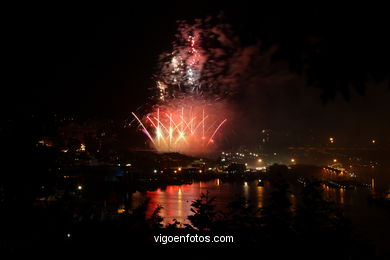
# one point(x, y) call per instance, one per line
point(236, 168)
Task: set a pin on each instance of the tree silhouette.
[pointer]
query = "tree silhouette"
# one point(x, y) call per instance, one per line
point(155, 220)
point(277, 214)
point(204, 213)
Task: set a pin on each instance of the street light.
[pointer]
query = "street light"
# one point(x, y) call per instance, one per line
point(292, 160)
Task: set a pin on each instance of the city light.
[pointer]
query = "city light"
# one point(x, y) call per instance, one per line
point(331, 140)
point(82, 148)
point(292, 160)
point(259, 160)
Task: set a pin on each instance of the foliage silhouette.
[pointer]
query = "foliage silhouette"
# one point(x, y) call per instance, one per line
point(204, 213)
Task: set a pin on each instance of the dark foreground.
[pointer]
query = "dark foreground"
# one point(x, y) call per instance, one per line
point(315, 229)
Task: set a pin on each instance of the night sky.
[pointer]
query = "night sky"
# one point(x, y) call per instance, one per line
point(328, 75)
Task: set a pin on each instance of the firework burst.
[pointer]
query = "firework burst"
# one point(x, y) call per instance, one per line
point(189, 113)
point(187, 127)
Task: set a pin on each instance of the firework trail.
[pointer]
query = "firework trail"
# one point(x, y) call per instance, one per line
point(189, 128)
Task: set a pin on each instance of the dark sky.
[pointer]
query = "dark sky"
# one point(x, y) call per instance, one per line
point(96, 59)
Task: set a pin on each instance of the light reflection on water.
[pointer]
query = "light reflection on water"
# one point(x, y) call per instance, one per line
point(260, 196)
point(176, 200)
point(337, 195)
